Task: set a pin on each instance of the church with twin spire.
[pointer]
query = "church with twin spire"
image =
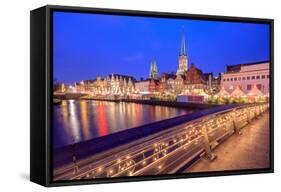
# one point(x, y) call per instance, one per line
point(153, 74)
point(182, 66)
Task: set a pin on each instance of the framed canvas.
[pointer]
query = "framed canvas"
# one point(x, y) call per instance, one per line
point(126, 95)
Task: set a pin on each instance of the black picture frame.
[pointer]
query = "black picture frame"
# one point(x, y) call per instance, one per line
point(41, 75)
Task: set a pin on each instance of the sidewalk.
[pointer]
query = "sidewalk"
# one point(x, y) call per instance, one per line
point(247, 151)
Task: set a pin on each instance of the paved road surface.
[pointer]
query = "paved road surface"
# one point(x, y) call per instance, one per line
point(246, 151)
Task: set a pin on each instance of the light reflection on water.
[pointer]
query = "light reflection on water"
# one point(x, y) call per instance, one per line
point(81, 120)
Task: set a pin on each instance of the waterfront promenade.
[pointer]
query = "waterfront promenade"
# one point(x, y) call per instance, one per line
point(174, 150)
point(250, 150)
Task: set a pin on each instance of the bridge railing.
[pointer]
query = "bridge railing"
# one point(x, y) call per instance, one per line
point(200, 135)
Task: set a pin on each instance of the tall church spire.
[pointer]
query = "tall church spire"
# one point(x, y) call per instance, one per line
point(155, 70)
point(183, 49)
point(151, 71)
point(183, 60)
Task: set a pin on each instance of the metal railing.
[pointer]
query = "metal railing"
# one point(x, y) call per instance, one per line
point(199, 135)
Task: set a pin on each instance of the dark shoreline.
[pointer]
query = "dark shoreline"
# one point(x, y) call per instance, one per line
point(196, 106)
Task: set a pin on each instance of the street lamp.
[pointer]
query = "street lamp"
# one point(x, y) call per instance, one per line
point(75, 170)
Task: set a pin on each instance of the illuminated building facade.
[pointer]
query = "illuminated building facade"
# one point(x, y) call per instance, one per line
point(59, 88)
point(142, 86)
point(154, 86)
point(195, 81)
point(167, 83)
point(114, 84)
point(246, 76)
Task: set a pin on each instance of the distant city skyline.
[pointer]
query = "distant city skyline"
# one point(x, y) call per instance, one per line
point(91, 45)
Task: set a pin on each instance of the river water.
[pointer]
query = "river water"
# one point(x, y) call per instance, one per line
point(81, 120)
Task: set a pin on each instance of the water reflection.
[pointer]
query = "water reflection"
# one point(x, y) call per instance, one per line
point(75, 121)
point(102, 120)
point(85, 120)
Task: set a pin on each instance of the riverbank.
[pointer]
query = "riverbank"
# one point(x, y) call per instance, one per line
point(172, 103)
point(176, 104)
point(69, 96)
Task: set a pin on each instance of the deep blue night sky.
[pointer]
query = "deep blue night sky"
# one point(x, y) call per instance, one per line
point(88, 45)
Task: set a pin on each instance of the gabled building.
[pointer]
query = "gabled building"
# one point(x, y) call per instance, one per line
point(154, 86)
point(142, 86)
point(195, 80)
point(114, 84)
point(167, 83)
